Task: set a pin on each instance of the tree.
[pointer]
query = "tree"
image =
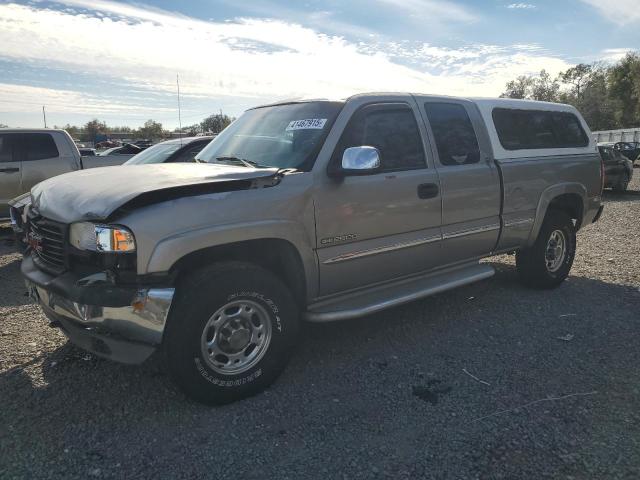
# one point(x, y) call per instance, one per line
point(518, 88)
point(544, 88)
point(595, 103)
point(577, 77)
point(624, 90)
point(123, 129)
point(541, 87)
point(215, 123)
point(191, 130)
point(94, 128)
point(2, 125)
point(72, 130)
point(151, 130)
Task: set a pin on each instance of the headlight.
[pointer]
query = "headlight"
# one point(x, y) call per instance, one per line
point(101, 238)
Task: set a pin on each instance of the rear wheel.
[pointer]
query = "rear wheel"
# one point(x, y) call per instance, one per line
point(548, 262)
point(230, 333)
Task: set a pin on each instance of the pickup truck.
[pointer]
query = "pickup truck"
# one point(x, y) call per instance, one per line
point(308, 210)
point(28, 156)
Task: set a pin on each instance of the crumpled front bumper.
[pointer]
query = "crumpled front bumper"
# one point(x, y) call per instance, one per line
point(127, 333)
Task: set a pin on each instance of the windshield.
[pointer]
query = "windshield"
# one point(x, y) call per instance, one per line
point(156, 154)
point(282, 136)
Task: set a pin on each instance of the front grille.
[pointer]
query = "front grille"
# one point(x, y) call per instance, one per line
point(47, 240)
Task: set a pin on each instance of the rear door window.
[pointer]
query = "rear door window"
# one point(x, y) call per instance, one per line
point(38, 146)
point(453, 132)
point(7, 141)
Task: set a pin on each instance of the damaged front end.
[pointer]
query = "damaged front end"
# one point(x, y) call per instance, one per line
point(80, 262)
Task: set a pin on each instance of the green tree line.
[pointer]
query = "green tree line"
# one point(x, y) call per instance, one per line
point(608, 96)
point(151, 129)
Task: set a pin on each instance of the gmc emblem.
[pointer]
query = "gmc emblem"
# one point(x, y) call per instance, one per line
point(35, 241)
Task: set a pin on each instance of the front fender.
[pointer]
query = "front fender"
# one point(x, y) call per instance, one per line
point(171, 249)
point(547, 197)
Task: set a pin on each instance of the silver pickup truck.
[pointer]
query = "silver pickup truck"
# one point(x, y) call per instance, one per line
point(310, 210)
point(28, 156)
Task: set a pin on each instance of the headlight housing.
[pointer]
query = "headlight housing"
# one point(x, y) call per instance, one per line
point(101, 238)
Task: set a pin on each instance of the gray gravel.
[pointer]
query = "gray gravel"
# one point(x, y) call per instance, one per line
point(385, 396)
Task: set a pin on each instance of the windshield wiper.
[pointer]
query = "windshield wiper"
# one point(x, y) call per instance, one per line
point(245, 162)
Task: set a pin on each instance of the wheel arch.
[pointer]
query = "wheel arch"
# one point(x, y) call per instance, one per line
point(277, 255)
point(570, 198)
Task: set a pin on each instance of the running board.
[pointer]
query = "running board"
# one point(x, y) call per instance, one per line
point(360, 304)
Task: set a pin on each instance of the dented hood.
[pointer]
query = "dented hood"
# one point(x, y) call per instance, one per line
point(96, 193)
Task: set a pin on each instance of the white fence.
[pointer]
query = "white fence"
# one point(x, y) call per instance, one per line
point(622, 135)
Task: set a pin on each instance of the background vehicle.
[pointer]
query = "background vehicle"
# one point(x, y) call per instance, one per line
point(29, 156)
point(87, 152)
point(631, 150)
point(178, 150)
point(121, 154)
point(618, 169)
point(318, 210)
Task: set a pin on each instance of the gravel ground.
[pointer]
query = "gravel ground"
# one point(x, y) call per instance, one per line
point(557, 393)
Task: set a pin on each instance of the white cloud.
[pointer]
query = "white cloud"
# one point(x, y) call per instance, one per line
point(249, 58)
point(614, 54)
point(622, 12)
point(521, 6)
point(13, 98)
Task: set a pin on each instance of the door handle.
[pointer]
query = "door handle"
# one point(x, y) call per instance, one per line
point(9, 170)
point(428, 190)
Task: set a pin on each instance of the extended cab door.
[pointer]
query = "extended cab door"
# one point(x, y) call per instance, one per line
point(9, 171)
point(386, 224)
point(43, 157)
point(469, 180)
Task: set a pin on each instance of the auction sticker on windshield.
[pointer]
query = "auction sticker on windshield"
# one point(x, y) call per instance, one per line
point(309, 123)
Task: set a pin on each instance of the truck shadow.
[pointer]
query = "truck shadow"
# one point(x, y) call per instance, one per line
point(627, 196)
point(426, 342)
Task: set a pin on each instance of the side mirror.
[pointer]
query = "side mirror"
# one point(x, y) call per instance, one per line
point(360, 160)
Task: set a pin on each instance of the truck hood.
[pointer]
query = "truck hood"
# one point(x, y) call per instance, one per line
point(97, 193)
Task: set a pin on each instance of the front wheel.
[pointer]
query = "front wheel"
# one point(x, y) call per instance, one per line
point(548, 262)
point(230, 332)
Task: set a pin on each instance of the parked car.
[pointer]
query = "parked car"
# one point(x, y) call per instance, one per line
point(171, 151)
point(28, 156)
point(143, 143)
point(179, 150)
point(87, 152)
point(315, 210)
point(108, 144)
point(618, 169)
point(124, 152)
point(631, 150)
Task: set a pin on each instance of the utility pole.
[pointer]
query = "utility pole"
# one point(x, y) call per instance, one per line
point(179, 112)
point(44, 116)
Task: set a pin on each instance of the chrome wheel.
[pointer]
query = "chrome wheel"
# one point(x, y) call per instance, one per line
point(236, 337)
point(556, 251)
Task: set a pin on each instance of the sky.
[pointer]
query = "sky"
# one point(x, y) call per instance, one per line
point(118, 61)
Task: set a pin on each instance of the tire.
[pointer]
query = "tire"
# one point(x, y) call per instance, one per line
point(541, 268)
point(622, 184)
point(219, 312)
